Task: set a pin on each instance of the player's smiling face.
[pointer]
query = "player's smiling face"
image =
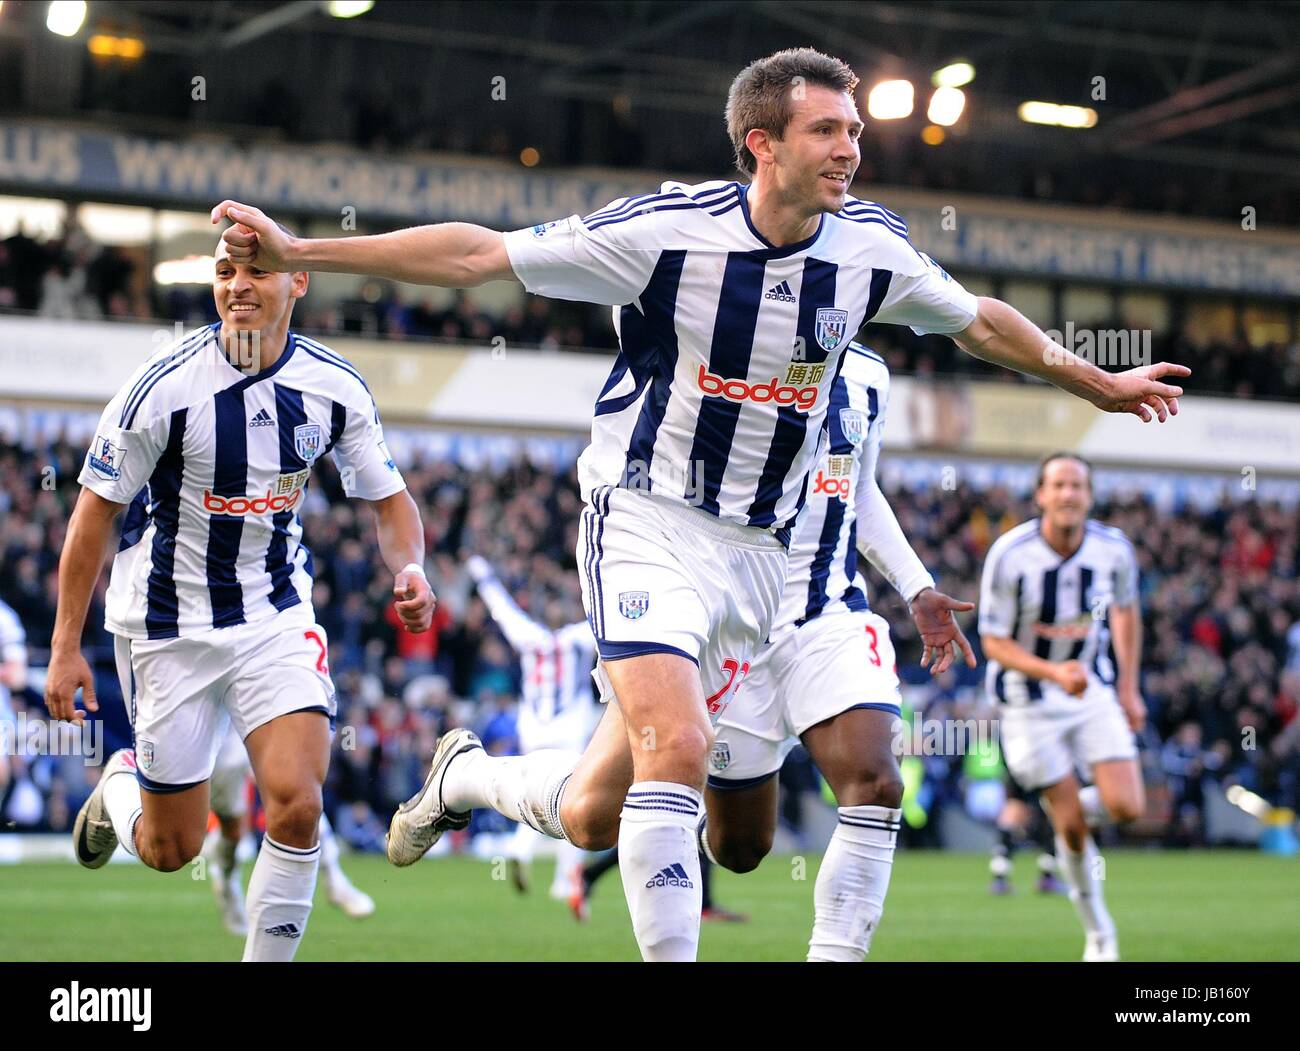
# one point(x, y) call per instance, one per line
point(819, 153)
point(249, 299)
point(1066, 494)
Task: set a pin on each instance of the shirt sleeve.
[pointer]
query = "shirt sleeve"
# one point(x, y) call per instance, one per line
point(566, 259)
point(882, 541)
point(1126, 578)
point(997, 598)
point(928, 301)
point(365, 465)
point(121, 459)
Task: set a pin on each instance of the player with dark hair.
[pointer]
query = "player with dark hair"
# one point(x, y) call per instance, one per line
point(1062, 629)
point(734, 303)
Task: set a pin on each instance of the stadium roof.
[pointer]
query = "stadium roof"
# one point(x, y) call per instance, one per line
point(1201, 100)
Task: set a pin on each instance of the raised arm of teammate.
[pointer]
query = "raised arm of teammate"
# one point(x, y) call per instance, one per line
point(450, 255)
point(1002, 335)
point(518, 627)
point(401, 543)
point(882, 542)
point(84, 549)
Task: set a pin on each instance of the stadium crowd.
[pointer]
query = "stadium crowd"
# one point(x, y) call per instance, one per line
point(1220, 596)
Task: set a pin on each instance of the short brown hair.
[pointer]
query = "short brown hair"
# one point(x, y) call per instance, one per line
point(760, 94)
point(1053, 457)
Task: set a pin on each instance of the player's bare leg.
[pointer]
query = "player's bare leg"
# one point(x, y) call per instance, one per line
point(165, 830)
point(1012, 821)
point(599, 784)
point(223, 869)
point(741, 825)
point(1117, 793)
point(171, 828)
point(854, 752)
point(668, 733)
point(1082, 867)
point(290, 756)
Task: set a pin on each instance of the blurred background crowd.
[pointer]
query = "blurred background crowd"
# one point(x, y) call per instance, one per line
point(1220, 597)
point(72, 278)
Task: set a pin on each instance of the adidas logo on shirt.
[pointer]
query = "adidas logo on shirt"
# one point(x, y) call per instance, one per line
point(673, 876)
point(781, 293)
point(262, 419)
point(284, 930)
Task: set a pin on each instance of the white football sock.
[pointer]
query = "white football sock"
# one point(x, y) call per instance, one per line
point(279, 901)
point(524, 788)
point(1093, 812)
point(849, 896)
point(122, 801)
point(329, 850)
point(522, 845)
point(660, 866)
point(1083, 874)
point(223, 854)
point(567, 859)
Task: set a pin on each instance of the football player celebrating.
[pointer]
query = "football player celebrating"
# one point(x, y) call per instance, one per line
point(735, 302)
point(1060, 624)
point(211, 442)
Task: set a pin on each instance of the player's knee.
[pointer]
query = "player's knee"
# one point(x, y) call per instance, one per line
point(743, 853)
point(872, 789)
point(1074, 830)
point(1126, 808)
point(294, 817)
point(168, 853)
point(679, 754)
point(590, 822)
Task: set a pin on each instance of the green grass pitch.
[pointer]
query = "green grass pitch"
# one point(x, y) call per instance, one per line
point(1225, 905)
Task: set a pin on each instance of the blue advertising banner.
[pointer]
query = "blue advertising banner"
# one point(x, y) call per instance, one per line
point(978, 234)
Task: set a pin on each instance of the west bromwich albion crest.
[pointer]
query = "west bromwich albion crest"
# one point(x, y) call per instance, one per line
point(633, 604)
point(830, 327)
point(853, 425)
point(306, 441)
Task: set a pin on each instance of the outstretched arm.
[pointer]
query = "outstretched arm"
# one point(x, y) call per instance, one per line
point(450, 255)
point(520, 630)
point(1002, 335)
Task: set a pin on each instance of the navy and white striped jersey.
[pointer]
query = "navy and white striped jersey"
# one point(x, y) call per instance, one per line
point(843, 497)
point(555, 665)
point(1056, 608)
point(13, 648)
point(215, 464)
point(729, 346)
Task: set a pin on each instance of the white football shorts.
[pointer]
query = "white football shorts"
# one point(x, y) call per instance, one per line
point(661, 577)
point(228, 796)
point(183, 694)
point(839, 660)
point(1045, 741)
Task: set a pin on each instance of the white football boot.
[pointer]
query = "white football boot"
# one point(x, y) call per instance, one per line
point(352, 900)
point(1101, 947)
point(93, 836)
point(420, 822)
